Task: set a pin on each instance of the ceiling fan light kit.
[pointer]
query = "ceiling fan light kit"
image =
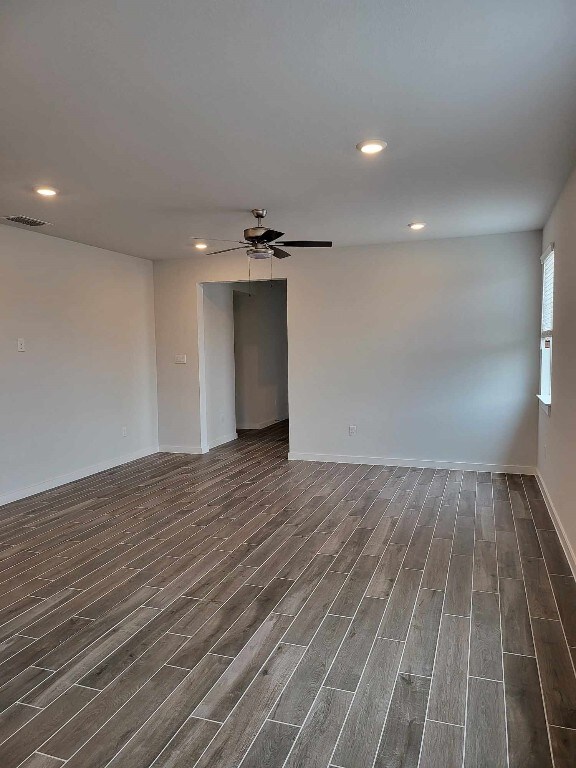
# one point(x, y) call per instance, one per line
point(259, 241)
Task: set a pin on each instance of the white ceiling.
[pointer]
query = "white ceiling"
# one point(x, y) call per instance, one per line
point(159, 120)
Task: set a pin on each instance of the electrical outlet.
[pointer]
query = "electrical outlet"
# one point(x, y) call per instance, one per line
point(124, 431)
point(352, 429)
point(180, 359)
point(21, 345)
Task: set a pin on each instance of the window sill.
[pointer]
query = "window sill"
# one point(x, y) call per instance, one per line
point(545, 405)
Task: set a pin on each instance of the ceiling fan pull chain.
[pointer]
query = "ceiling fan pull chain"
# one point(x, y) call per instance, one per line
point(249, 276)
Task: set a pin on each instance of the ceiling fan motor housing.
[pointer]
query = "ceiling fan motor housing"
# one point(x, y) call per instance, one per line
point(253, 233)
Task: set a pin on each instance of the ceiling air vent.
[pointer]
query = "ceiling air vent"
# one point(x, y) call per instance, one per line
point(27, 221)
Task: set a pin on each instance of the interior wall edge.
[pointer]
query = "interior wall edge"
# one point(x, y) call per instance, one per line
point(556, 519)
point(77, 474)
point(510, 469)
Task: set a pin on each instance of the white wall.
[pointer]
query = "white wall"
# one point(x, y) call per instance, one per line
point(557, 433)
point(427, 347)
point(87, 317)
point(219, 363)
point(261, 352)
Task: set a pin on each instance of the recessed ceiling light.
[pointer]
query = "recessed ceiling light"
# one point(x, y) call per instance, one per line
point(201, 246)
point(417, 225)
point(371, 146)
point(46, 191)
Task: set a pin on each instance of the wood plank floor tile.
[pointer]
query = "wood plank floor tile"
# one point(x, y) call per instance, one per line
point(358, 742)
point(351, 593)
point(484, 525)
point(417, 551)
point(150, 740)
point(422, 638)
point(527, 734)
point(234, 639)
point(556, 673)
point(463, 536)
point(318, 604)
point(386, 571)
point(485, 573)
point(75, 670)
point(563, 747)
point(503, 517)
point(442, 745)
point(554, 556)
point(214, 628)
point(380, 537)
point(508, 555)
point(224, 695)
point(187, 745)
point(301, 589)
point(459, 586)
point(528, 543)
point(516, 631)
point(396, 619)
point(349, 662)
point(29, 738)
point(21, 684)
point(402, 736)
point(448, 690)
point(446, 522)
point(235, 737)
point(541, 515)
point(485, 731)
point(541, 603)
point(317, 738)
point(350, 552)
point(102, 747)
point(436, 570)
point(38, 760)
point(298, 696)
point(271, 746)
point(565, 591)
point(180, 588)
point(485, 637)
point(13, 718)
point(87, 722)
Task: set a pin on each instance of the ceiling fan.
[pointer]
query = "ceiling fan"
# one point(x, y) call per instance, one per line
point(258, 241)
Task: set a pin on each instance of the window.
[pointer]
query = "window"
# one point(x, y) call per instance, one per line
point(547, 326)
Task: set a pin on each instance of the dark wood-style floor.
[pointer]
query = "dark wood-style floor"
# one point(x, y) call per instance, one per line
point(239, 609)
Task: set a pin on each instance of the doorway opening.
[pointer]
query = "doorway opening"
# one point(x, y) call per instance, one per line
point(244, 365)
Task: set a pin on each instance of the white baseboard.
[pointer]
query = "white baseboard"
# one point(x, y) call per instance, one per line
point(511, 469)
point(196, 449)
point(260, 424)
point(78, 474)
point(560, 530)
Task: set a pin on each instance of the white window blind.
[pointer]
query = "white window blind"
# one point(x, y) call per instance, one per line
point(548, 294)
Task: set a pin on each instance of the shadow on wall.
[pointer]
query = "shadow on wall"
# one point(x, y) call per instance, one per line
point(261, 353)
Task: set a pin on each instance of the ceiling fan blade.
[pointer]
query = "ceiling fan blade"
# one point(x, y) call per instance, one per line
point(268, 236)
point(308, 243)
point(215, 240)
point(226, 250)
point(279, 253)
